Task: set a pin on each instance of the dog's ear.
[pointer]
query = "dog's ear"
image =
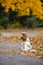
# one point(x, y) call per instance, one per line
point(21, 37)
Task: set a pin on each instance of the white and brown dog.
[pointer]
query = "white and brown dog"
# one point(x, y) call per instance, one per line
point(26, 45)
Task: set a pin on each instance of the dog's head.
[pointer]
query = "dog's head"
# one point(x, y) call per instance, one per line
point(24, 36)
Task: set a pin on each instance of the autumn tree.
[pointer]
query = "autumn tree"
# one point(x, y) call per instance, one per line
point(23, 7)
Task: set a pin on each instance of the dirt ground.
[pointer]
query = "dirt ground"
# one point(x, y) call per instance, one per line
point(10, 53)
point(10, 39)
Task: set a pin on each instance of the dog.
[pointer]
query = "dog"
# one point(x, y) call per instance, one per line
point(25, 45)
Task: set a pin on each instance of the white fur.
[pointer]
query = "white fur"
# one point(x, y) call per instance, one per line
point(25, 45)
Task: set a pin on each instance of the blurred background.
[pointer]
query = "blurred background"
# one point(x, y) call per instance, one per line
point(21, 14)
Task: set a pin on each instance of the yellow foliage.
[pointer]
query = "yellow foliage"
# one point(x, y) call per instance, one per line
point(23, 7)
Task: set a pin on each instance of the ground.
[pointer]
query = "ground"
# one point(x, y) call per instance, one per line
point(10, 53)
point(7, 59)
